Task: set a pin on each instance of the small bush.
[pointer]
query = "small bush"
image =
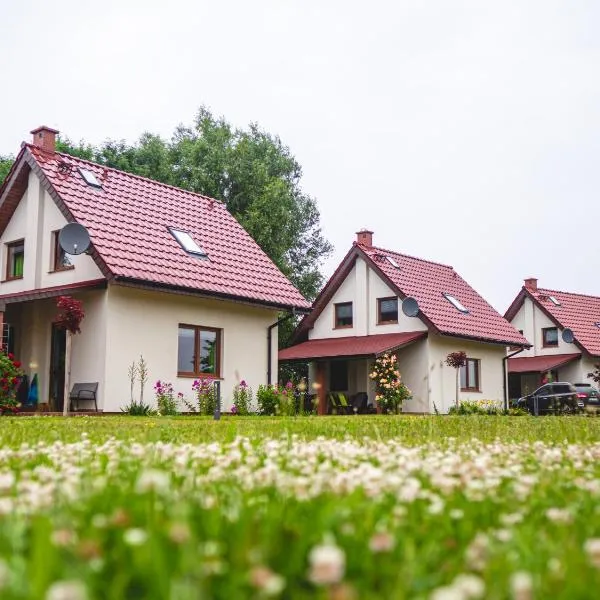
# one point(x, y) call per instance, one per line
point(137, 409)
point(10, 377)
point(206, 399)
point(267, 398)
point(477, 407)
point(242, 399)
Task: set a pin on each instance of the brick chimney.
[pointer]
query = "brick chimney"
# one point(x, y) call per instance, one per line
point(364, 237)
point(531, 284)
point(45, 138)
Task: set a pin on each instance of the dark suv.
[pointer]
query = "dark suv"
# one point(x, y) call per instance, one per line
point(553, 398)
point(588, 393)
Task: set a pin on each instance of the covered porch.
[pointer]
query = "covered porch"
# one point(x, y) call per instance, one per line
point(28, 332)
point(339, 368)
point(528, 373)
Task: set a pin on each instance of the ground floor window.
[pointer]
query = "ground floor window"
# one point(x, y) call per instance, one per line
point(199, 351)
point(469, 375)
point(338, 376)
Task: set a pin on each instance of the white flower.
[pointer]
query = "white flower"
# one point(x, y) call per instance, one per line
point(4, 574)
point(67, 590)
point(447, 592)
point(153, 480)
point(381, 542)
point(559, 515)
point(592, 549)
point(327, 564)
point(268, 582)
point(521, 584)
point(135, 537)
point(471, 586)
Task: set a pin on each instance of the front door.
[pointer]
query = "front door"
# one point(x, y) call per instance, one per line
point(58, 347)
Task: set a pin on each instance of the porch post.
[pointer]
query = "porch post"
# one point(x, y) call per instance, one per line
point(321, 391)
point(2, 309)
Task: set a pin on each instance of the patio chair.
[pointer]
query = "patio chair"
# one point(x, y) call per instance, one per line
point(360, 402)
point(338, 404)
point(83, 391)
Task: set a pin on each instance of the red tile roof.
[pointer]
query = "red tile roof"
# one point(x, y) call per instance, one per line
point(576, 311)
point(128, 220)
point(540, 364)
point(366, 345)
point(427, 282)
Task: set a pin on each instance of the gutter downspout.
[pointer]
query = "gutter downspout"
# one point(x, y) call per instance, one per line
point(269, 344)
point(505, 375)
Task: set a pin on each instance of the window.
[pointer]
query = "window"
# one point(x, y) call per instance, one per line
point(469, 375)
point(554, 300)
point(597, 324)
point(387, 310)
point(199, 351)
point(90, 178)
point(393, 261)
point(550, 337)
point(343, 315)
point(61, 260)
point(456, 303)
point(15, 259)
point(187, 242)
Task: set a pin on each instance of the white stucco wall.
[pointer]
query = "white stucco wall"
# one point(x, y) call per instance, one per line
point(146, 323)
point(413, 363)
point(362, 287)
point(532, 320)
point(442, 378)
point(34, 220)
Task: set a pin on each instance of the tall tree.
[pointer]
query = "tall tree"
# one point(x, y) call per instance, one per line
point(5, 165)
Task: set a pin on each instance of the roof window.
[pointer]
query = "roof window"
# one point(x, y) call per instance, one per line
point(456, 303)
point(187, 242)
point(90, 178)
point(393, 261)
point(554, 300)
point(597, 324)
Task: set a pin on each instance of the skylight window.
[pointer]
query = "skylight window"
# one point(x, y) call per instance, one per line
point(90, 178)
point(554, 300)
point(393, 261)
point(456, 303)
point(597, 324)
point(187, 242)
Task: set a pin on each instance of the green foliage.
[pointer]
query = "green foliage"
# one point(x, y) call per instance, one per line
point(5, 165)
point(166, 402)
point(242, 399)
point(267, 398)
point(206, 398)
point(485, 407)
point(137, 409)
point(250, 170)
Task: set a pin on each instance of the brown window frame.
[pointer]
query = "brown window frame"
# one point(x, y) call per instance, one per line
point(9, 258)
point(544, 343)
point(56, 266)
point(196, 373)
point(381, 321)
point(335, 315)
point(477, 386)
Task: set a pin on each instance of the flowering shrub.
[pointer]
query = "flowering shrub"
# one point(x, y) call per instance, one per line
point(165, 398)
point(242, 399)
point(477, 407)
point(10, 377)
point(206, 399)
point(70, 314)
point(390, 390)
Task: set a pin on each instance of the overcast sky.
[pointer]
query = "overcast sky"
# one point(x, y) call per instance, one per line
point(462, 132)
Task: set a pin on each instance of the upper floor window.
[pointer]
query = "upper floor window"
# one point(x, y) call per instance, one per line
point(60, 259)
point(199, 351)
point(15, 259)
point(550, 337)
point(387, 310)
point(343, 315)
point(469, 375)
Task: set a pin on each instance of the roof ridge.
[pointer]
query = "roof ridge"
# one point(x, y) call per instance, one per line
point(433, 262)
point(543, 290)
point(129, 174)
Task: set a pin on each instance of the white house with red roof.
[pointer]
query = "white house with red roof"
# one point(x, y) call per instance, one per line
point(170, 275)
point(542, 315)
point(358, 316)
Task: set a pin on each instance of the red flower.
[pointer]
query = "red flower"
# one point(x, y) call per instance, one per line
point(17, 364)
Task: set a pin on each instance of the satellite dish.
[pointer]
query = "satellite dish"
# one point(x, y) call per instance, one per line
point(410, 307)
point(567, 336)
point(74, 238)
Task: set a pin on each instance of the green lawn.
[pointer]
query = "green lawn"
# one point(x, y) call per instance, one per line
point(336, 508)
